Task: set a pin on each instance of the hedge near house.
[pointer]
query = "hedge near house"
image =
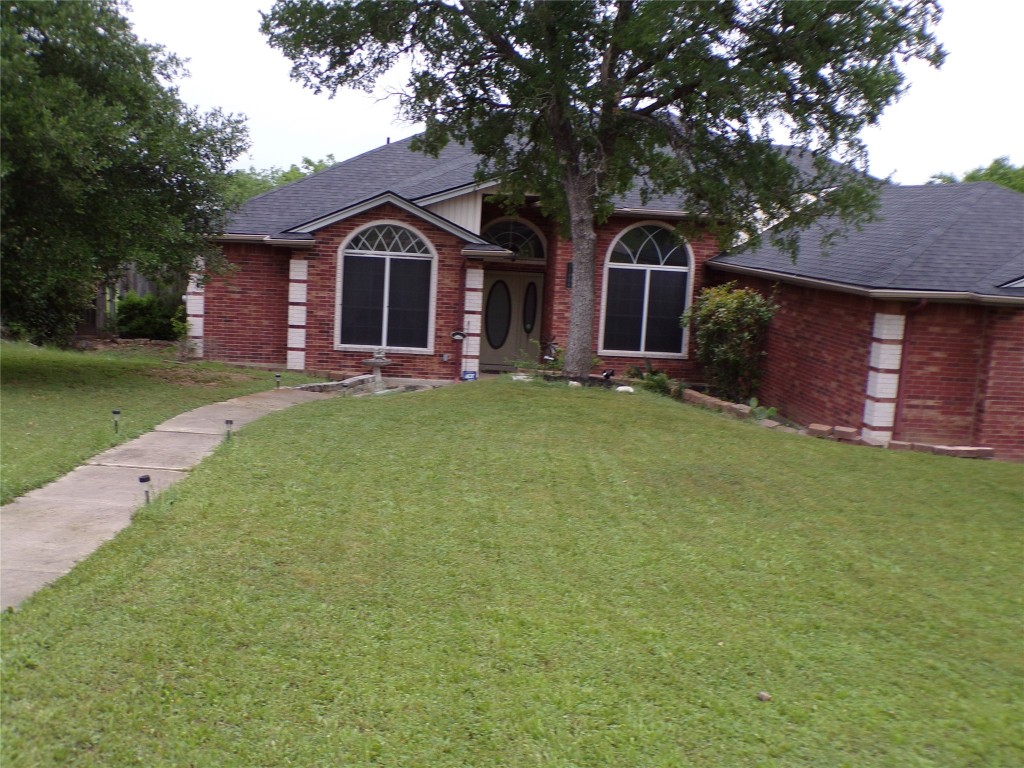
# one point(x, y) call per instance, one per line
point(730, 327)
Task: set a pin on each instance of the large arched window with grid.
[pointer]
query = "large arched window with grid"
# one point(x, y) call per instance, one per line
point(646, 290)
point(386, 275)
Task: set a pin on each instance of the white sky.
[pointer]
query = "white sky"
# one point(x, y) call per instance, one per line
point(954, 119)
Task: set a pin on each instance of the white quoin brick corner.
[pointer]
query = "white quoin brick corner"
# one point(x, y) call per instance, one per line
point(888, 327)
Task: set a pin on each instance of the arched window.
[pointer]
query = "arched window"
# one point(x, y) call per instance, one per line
point(646, 286)
point(386, 274)
point(518, 237)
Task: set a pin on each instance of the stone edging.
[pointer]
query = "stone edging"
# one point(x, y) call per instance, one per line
point(842, 434)
point(354, 384)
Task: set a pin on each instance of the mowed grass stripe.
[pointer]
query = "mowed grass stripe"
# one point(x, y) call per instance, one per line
point(524, 574)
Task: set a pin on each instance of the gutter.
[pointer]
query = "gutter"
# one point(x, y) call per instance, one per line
point(264, 240)
point(895, 294)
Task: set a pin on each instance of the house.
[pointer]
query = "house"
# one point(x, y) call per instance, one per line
point(398, 250)
point(911, 329)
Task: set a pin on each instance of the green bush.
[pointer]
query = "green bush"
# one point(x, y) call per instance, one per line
point(730, 327)
point(149, 317)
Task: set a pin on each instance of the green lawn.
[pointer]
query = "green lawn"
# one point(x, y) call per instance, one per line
point(518, 574)
point(55, 405)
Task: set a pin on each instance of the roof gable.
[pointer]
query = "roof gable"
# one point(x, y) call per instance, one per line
point(388, 197)
point(414, 176)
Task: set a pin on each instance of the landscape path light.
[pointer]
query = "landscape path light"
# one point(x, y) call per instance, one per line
point(228, 423)
point(144, 480)
point(117, 417)
point(277, 378)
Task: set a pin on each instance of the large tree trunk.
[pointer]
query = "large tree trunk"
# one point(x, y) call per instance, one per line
point(579, 349)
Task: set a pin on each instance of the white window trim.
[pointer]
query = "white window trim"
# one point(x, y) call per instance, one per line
point(601, 350)
point(340, 264)
point(530, 225)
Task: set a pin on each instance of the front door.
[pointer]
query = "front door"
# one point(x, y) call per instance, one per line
point(511, 319)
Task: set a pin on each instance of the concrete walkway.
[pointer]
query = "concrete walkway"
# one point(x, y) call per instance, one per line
point(46, 531)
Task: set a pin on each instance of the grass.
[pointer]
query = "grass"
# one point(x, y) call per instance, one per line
point(531, 575)
point(56, 405)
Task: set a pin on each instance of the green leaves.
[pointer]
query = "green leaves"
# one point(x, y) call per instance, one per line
point(730, 325)
point(102, 164)
point(999, 171)
point(579, 102)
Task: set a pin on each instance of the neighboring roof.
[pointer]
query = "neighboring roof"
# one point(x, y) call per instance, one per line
point(946, 241)
point(414, 176)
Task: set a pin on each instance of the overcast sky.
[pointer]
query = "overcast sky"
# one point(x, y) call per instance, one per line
point(953, 119)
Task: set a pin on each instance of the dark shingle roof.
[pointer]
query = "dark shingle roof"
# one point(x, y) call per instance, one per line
point(393, 167)
point(414, 176)
point(943, 238)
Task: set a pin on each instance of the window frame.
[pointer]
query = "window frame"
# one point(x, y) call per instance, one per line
point(684, 353)
point(529, 225)
point(387, 257)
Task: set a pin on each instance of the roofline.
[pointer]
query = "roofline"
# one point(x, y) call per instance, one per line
point(448, 194)
point(231, 237)
point(397, 200)
point(489, 253)
point(871, 293)
point(653, 212)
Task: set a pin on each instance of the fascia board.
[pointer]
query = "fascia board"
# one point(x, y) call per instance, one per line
point(872, 293)
point(448, 194)
point(396, 200)
point(264, 240)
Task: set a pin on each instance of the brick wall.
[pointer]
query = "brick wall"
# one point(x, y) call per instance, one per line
point(245, 310)
point(321, 301)
point(557, 295)
point(818, 350)
point(1000, 422)
point(942, 367)
point(961, 379)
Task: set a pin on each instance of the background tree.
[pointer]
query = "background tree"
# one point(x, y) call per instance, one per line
point(101, 163)
point(576, 100)
point(999, 171)
point(243, 185)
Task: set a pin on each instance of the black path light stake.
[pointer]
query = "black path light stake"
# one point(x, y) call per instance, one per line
point(228, 423)
point(117, 417)
point(144, 479)
point(277, 378)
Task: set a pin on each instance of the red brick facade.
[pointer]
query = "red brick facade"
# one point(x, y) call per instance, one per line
point(247, 311)
point(818, 349)
point(1000, 420)
point(961, 376)
point(942, 369)
point(959, 380)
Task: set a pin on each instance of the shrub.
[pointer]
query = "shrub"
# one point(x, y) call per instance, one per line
point(730, 327)
point(149, 317)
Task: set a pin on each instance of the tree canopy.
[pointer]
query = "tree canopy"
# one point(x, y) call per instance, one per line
point(243, 184)
point(101, 163)
point(580, 101)
point(999, 171)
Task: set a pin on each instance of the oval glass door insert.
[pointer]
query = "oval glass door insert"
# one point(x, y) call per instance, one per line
point(498, 317)
point(530, 307)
